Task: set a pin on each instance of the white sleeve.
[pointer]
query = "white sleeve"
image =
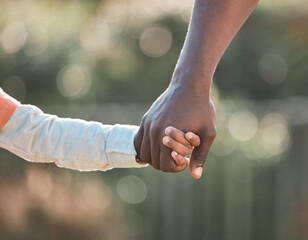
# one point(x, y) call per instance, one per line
point(69, 143)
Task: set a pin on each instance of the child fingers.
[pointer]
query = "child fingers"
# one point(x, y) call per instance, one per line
point(193, 139)
point(179, 159)
point(176, 146)
point(178, 136)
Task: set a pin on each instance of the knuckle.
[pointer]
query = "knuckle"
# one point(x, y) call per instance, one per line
point(211, 134)
point(144, 120)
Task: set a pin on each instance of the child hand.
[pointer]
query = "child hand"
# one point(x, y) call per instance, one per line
point(181, 144)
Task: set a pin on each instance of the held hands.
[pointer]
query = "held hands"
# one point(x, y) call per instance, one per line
point(186, 107)
point(181, 144)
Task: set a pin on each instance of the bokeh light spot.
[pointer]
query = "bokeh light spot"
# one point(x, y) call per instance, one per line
point(115, 13)
point(254, 150)
point(272, 68)
point(274, 133)
point(39, 182)
point(174, 6)
point(74, 81)
point(132, 189)
point(96, 194)
point(243, 125)
point(95, 37)
point(37, 42)
point(14, 37)
point(224, 144)
point(122, 64)
point(61, 179)
point(155, 41)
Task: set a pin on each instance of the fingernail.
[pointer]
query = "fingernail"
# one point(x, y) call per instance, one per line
point(175, 154)
point(198, 171)
point(189, 136)
point(168, 130)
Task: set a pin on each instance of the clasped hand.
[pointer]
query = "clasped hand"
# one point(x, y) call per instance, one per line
point(188, 110)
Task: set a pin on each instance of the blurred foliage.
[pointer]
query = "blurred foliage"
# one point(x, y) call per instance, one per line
point(42, 38)
point(107, 61)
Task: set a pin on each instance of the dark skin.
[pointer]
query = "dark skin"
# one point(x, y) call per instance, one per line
point(186, 103)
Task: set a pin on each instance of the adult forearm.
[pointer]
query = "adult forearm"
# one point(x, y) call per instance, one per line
point(214, 23)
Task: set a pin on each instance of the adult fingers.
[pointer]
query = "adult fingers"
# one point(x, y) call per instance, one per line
point(178, 136)
point(193, 139)
point(199, 155)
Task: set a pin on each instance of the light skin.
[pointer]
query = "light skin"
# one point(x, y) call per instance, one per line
point(180, 145)
point(186, 103)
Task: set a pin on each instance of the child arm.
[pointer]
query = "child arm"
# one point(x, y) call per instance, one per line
point(69, 143)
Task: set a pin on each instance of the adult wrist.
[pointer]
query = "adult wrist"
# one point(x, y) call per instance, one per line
point(192, 79)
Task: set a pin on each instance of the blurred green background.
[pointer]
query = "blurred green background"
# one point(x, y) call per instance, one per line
point(108, 61)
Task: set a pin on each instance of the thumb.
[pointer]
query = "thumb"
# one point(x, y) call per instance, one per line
point(199, 156)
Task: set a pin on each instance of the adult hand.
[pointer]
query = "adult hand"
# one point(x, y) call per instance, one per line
point(185, 106)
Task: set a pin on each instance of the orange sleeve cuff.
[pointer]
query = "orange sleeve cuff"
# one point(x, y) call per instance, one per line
point(7, 107)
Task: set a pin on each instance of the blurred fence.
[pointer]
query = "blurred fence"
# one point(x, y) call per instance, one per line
point(245, 193)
